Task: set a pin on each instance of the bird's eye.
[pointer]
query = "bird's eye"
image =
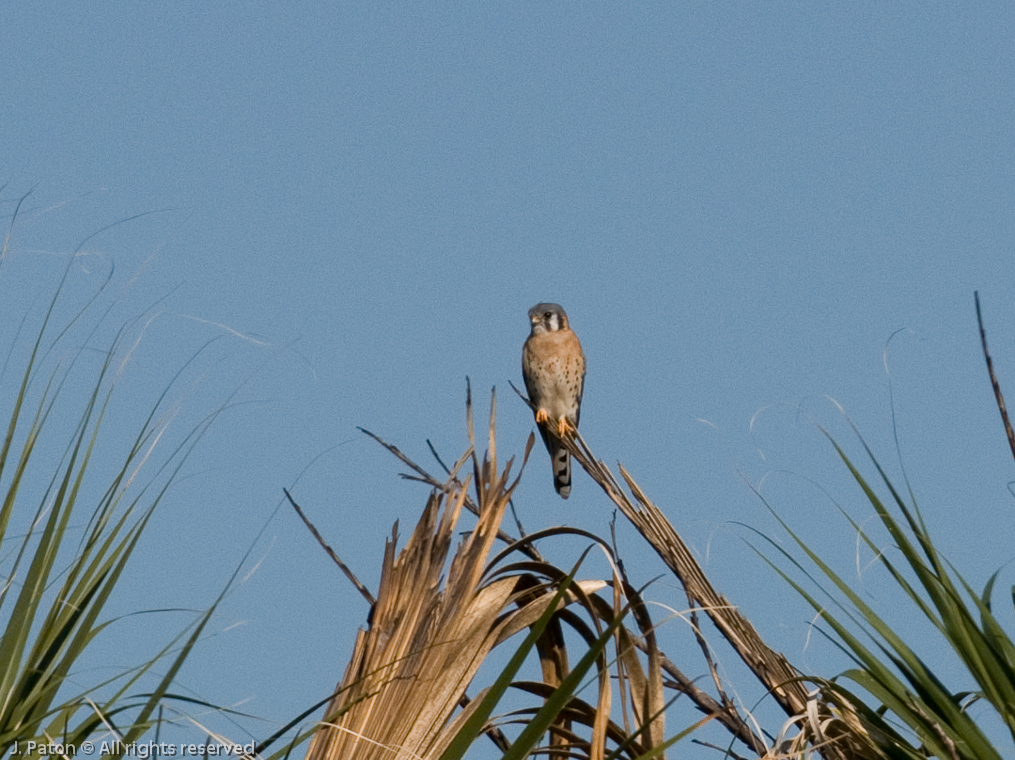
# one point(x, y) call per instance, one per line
point(548, 314)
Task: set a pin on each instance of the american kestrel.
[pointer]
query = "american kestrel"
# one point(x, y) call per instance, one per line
point(553, 366)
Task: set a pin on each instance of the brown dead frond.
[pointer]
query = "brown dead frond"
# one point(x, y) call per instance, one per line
point(411, 667)
point(403, 695)
point(772, 669)
point(837, 738)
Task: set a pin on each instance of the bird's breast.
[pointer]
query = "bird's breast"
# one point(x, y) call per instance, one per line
point(555, 366)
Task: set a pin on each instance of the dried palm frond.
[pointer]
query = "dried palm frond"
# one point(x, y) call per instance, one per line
point(771, 668)
point(837, 734)
point(403, 694)
point(426, 638)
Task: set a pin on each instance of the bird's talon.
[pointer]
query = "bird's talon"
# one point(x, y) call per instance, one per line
point(542, 416)
point(562, 427)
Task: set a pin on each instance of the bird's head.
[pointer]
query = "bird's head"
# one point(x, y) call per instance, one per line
point(547, 317)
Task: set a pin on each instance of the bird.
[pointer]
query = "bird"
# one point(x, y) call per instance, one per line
point(553, 367)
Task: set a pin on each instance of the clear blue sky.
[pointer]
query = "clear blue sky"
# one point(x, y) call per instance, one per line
point(737, 204)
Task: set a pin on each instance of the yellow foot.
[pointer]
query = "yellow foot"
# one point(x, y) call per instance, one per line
point(542, 416)
point(563, 426)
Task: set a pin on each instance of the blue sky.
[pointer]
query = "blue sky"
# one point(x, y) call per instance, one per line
point(737, 204)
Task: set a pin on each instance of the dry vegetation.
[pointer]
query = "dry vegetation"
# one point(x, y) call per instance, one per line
point(405, 691)
point(413, 688)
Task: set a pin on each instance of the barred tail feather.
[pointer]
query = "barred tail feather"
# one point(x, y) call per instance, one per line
point(561, 461)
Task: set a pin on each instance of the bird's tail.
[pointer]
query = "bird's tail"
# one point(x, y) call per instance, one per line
point(561, 461)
